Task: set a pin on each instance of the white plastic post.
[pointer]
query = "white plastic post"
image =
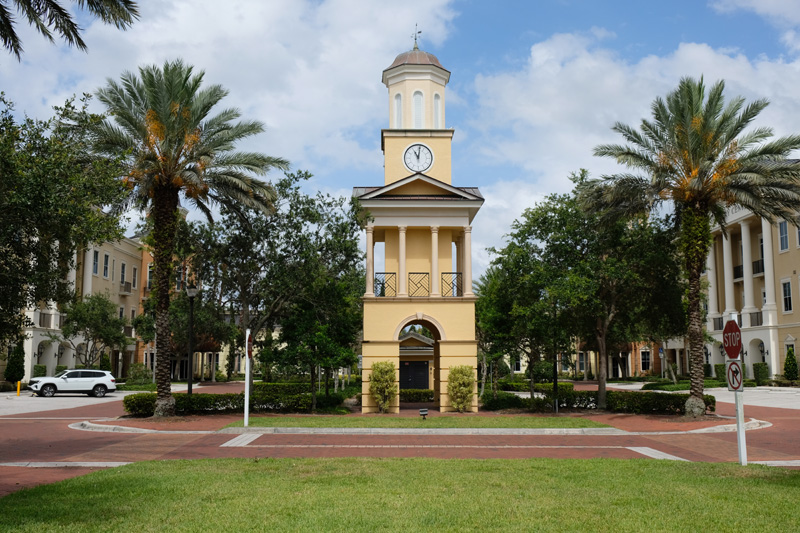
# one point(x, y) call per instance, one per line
point(740, 428)
point(247, 379)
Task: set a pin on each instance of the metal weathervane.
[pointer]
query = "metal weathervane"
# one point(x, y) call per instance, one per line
point(415, 35)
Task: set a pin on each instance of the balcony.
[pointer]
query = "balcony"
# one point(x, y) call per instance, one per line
point(125, 288)
point(419, 284)
point(452, 284)
point(385, 284)
point(718, 324)
point(738, 272)
point(758, 267)
point(756, 319)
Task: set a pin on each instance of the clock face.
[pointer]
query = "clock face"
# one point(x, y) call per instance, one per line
point(418, 158)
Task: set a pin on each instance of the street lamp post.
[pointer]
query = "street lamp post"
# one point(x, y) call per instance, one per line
point(191, 292)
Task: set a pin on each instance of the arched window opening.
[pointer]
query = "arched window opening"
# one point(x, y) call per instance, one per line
point(437, 111)
point(418, 110)
point(398, 111)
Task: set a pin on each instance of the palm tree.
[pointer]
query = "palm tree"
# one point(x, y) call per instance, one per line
point(174, 149)
point(696, 155)
point(47, 15)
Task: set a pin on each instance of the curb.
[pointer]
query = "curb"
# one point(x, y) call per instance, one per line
point(753, 424)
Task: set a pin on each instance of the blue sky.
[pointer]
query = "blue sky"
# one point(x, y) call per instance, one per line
point(535, 84)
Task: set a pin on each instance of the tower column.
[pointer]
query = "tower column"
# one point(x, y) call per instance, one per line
point(747, 267)
point(769, 309)
point(711, 276)
point(435, 261)
point(727, 265)
point(370, 263)
point(401, 260)
point(468, 261)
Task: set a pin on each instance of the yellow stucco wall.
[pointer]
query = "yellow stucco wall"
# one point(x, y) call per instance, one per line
point(394, 148)
point(406, 89)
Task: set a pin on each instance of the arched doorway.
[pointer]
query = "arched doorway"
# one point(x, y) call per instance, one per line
point(419, 354)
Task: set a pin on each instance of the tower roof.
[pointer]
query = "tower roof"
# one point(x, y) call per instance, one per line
point(416, 57)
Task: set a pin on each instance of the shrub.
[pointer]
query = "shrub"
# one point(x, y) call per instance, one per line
point(651, 402)
point(707, 370)
point(282, 388)
point(139, 375)
point(59, 368)
point(547, 388)
point(382, 386)
point(504, 400)
point(520, 386)
point(790, 366)
point(761, 373)
point(221, 377)
point(39, 371)
point(460, 383)
point(15, 369)
point(105, 362)
point(127, 386)
point(719, 371)
point(416, 395)
point(542, 371)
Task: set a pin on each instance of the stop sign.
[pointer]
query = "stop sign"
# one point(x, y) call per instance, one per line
point(732, 339)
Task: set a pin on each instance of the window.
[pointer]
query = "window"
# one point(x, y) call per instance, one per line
point(122, 313)
point(95, 262)
point(517, 366)
point(787, 296)
point(418, 110)
point(133, 314)
point(122, 272)
point(113, 268)
point(581, 362)
point(105, 265)
point(135, 276)
point(763, 296)
point(398, 111)
point(783, 235)
point(180, 275)
point(149, 276)
point(437, 116)
point(645, 360)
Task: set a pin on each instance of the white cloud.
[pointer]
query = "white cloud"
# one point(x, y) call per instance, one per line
point(546, 117)
point(779, 12)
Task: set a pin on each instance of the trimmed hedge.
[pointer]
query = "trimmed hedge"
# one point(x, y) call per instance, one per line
point(547, 388)
point(719, 370)
point(761, 373)
point(59, 368)
point(416, 395)
point(634, 402)
point(518, 386)
point(39, 371)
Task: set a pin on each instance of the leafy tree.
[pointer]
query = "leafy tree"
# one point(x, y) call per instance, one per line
point(696, 155)
point(382, 385)
point(50, 192)
point(49, 15)
point(175, 149)
point(790, 366)
point(15, 367)
point(91, 327)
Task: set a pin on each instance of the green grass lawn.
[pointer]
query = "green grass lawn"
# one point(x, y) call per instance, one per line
point(353, 495)
point(389, 421)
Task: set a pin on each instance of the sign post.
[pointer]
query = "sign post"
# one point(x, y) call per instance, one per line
point(732, 342)
point(249, 349)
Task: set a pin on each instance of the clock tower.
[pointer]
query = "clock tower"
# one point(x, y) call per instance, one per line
point(424, 223)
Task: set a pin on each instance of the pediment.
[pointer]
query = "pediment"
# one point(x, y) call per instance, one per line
point(419, 186)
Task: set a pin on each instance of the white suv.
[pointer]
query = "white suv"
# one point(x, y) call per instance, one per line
point(92, 382)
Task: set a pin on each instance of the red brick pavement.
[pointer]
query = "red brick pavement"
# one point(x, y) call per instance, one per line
point(38, 439)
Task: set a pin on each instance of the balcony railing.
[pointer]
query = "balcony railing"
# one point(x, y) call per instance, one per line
point(756, 319)
point(758, 267)
point(125, 287)
point(419, 284)
point(385, 284)
point(718, 324)
point(738, 272)
point(452, 284)
point(739, 320)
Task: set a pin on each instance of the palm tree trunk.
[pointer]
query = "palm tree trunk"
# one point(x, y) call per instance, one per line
point(165, 206)
point(695, 239)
